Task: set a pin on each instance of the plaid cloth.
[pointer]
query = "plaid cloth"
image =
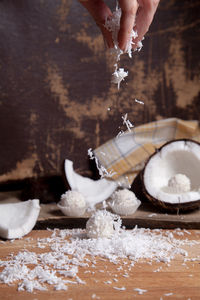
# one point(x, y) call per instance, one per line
point(125, 155)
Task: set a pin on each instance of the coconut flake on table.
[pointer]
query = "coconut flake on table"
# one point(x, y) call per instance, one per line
point(140, 291)
point(119, 288)
point(67, 250)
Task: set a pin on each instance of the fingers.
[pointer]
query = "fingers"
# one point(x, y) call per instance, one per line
point(137, 14)
point(146, 11)
point(129, 9)
point(100, 12)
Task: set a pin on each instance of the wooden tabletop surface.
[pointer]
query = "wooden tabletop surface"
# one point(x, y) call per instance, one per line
point(178, 281)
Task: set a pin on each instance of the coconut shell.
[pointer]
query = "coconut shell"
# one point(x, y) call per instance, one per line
point(164, 206)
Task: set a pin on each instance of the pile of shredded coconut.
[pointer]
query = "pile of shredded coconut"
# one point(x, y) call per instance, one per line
point(67, 250)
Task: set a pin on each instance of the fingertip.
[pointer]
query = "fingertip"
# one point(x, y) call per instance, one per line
point(121, 41)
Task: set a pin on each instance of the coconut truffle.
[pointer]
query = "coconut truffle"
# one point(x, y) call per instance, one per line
point(102, 224)
point(179, 183)
point(72, 203)
point(124, 202)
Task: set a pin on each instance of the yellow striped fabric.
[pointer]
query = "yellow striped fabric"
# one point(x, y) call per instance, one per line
point(125, 155)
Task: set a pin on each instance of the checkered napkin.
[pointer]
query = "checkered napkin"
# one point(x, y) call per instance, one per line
point(125, 155)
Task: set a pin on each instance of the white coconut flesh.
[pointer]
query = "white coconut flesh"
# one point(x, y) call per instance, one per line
point(172, 175)
point(94, 191)
point(18, 219)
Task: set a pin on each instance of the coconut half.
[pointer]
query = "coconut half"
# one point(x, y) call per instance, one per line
point(18, 219)
point(94, 191)
point(171, 177)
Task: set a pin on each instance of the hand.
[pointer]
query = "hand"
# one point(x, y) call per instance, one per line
point(136, 14)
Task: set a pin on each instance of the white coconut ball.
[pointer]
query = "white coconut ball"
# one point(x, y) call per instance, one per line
point(179, 183)
point(124, 202)
point(72, 203)
point(101, 224)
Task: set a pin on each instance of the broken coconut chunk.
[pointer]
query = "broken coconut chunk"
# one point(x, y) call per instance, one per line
point(124, 202)
point(18, 219)
point(94, 191)
point(171, 176)
point(72, 204)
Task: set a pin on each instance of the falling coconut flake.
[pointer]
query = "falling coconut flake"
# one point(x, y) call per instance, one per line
point(103, 172)
point(139, 101)
point(128, 124)
point(118, 76)
point(113, 25)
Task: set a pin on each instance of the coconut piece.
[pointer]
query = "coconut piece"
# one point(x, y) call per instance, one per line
point(171, 175)
point(118, 76)
point(94, 191)
point(124, 202)
point(18, 219)
point(72, 204)
point(102, 224)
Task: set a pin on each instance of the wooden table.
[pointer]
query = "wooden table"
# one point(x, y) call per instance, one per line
point(177, 281)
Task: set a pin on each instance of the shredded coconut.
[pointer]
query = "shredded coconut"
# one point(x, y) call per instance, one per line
point(140, 291)
point(119, 75)
point(67, 250)
point(168, 294)
point(119, 288)
point(128, 124)
point(139, 101)
point(103, 172)
point(113, 25)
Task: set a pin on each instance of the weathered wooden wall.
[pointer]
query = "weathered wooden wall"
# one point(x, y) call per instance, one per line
point(55, 87)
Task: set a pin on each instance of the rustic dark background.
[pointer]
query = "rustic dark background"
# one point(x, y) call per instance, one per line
point(55, 87)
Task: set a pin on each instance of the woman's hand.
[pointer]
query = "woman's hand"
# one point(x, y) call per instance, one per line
point(136, 14)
